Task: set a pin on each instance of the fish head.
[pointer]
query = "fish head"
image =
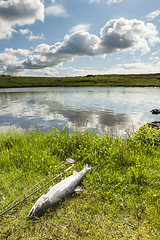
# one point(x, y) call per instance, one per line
point(38, 208)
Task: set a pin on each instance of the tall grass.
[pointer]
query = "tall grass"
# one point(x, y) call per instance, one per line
point(120, 199)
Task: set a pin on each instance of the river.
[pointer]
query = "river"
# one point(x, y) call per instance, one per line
point(115, 110)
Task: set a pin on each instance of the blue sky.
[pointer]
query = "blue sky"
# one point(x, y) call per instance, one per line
point(73, 38)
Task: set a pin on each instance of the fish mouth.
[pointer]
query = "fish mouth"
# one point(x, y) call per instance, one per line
point(31, 213)
point(35, 213)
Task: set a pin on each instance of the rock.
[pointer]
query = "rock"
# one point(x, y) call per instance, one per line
point(155, 124)
point(155, 111)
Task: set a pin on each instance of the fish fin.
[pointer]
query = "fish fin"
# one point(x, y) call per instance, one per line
point(70, 160)
point(75, 172)
point(88, 167)
point(78, 189)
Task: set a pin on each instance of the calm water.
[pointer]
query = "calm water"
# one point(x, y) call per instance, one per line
point(116, 110)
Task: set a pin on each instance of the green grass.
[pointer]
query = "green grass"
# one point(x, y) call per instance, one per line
point(120, 199)
point(133, 80)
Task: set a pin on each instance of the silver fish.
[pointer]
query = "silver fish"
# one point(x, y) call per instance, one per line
point(58, 192)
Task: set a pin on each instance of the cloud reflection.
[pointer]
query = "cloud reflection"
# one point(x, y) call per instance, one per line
point(44, 110)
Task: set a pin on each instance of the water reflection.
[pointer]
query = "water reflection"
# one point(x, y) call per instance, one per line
point(102, 109)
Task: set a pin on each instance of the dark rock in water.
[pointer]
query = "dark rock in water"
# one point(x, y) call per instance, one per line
point(155, 111)
point(155, 124)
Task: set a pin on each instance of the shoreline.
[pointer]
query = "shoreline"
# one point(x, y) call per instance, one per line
point(109, 80)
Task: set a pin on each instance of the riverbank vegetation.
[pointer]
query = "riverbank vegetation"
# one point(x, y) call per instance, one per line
point(120, 197)
point(132, 80)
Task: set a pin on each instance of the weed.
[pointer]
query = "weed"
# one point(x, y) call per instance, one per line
point(120, 199)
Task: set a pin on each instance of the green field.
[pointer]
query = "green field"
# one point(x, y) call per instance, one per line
point(140, 80)
point(120, 197)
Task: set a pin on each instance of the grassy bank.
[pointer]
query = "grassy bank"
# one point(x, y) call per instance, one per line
point(120, 199)
point(141, 80)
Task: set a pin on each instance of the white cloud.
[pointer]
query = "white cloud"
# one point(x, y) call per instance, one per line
point(17, 52)
point(6, 29)
point(32, 37)
point(153, 37)
point(7, 59)
point(80, 27)
point(56, 10)
point(11, 60)
point(19, 12)
point(79, 44)
point(136, 67)
point(123, 34)
point(155, 53)
point(114, 1)
point(109, 1)
point(91, 1)
point(24, 31)
point(74, 45)
point(154, 59)
point(152, 15)
point(116, 36)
